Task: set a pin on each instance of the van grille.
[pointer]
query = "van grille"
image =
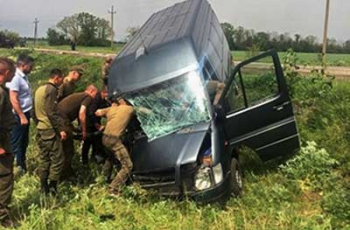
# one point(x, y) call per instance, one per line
point(164, 181)
point(155, 179)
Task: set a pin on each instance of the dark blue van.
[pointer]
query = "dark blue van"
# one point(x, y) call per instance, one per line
point(183, 144)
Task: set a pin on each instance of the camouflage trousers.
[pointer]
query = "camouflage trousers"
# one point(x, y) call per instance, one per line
point(51, 155)
point(119, 152)
point(6, 180)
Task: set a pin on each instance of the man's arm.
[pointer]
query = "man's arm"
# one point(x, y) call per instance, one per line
point(82, 119)
point(16, 106)
point(61, 92)
point(2, 134)
point(219, 90)
point(33, 114)
point(101, 112)
point(52, 112)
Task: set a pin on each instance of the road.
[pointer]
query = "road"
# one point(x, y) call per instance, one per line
point(340, 72)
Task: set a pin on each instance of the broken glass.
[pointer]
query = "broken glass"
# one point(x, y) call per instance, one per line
point(171, 105)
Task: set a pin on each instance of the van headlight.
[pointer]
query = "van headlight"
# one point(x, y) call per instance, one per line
point(207, 176)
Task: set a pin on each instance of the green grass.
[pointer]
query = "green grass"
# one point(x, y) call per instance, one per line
point(311, 191)
point(304, 58)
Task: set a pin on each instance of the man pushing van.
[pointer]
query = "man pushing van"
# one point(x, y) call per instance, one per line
point(118, 117)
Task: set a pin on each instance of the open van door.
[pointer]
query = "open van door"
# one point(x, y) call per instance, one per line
point(258, 109)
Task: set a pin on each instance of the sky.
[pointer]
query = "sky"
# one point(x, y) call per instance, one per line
point(305, 17)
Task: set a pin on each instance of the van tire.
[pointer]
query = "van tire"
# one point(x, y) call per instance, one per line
point(236, 180)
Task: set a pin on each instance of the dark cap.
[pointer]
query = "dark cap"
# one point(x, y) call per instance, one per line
point(116, 97)
point(78, 69)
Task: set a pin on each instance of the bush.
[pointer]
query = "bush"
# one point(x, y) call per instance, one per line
point(311, 164)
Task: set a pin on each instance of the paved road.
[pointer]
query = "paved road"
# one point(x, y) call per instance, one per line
point(341, 73)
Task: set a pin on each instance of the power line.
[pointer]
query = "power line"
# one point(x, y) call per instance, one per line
point(35, 30)
point(112, 12)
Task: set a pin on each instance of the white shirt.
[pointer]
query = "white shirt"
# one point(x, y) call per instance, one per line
point(20, 84)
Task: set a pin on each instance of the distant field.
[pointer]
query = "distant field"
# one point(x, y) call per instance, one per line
point(304, 58)
point(313, 59)
point(105, 50)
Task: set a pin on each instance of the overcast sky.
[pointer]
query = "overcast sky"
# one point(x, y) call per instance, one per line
point(305, 17)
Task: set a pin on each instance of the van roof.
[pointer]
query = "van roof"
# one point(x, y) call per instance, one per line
point(171, 42)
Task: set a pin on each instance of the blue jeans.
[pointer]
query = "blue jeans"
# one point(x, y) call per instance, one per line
point(19, 140)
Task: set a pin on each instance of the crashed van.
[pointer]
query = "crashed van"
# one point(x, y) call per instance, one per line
point(181, 144)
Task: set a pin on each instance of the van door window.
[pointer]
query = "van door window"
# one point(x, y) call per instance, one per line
point(253, 84)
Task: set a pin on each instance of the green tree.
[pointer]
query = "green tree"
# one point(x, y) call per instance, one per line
point(70, 27)
point(131, 31)
point(85, 29)
point(12, 35)
point(56, 38)
point(103, 29)
point(88, 25)
point(229, 32)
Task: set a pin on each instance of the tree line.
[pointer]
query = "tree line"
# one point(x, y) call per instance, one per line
point(86, 29)
point(240, 38)
point(83, 28)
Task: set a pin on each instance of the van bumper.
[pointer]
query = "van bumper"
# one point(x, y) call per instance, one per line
point(216, 193)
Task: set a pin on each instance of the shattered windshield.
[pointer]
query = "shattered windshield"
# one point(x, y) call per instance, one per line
point(170, 106)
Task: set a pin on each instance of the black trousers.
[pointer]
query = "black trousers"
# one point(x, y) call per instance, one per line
point(94, 142)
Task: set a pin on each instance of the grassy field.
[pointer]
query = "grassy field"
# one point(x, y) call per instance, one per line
point(105, 50)
point(310, 191)
point(303, 58)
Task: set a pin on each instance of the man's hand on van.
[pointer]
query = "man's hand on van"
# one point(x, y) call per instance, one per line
point(144, 110)
point(102, 112)
point(99, 113)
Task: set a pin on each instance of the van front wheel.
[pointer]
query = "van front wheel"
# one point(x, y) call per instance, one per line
point(236, 181)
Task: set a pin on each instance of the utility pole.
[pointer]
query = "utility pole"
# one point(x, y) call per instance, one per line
point(35, 30)
point(112, 12)
point(325, 40)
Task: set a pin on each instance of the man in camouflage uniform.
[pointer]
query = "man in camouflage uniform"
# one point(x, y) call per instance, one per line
point(118, 117)
point(69, 83)
point(50, 132)
point(105, 70)
point(7, 122)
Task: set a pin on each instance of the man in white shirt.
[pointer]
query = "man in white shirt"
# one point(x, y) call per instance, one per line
point(22, 103)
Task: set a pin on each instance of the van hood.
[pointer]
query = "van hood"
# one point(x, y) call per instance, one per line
point(169, 151)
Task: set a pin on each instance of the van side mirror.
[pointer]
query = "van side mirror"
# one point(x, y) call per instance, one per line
point(219, 111)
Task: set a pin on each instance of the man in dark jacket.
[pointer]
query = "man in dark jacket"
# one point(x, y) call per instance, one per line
point(70, 108)
point(94, 128)
point(50, 132)
point(7, 122)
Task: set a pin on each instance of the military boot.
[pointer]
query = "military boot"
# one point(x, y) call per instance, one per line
point(53, 188)
point(44, 186)
point(44, 183)
point(5, 218)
